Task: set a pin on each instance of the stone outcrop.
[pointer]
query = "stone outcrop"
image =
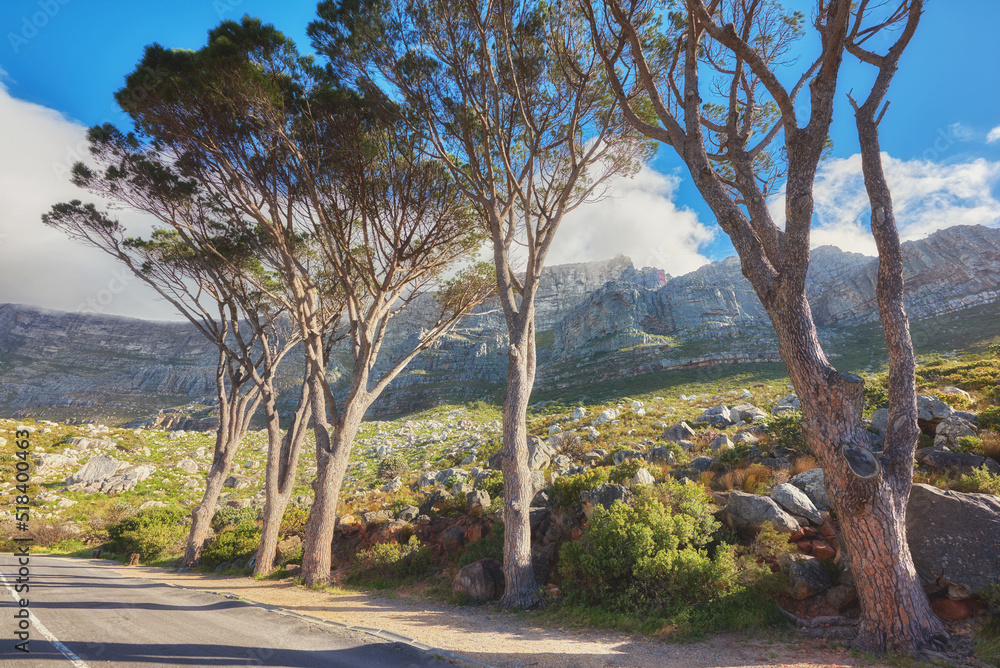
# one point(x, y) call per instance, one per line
point(748, 512)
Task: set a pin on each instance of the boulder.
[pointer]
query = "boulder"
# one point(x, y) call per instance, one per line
point(718, 416)
point(604, 495)
point(813, 483)
point(579, 412)
point(592, 457)
point(681, 431)
point(749, 512)
point(807, 576)
point(787, 404)
point(642, 477)
point(722, 443)
point(477, 500)
point(539, 454)
point(427, 479)
point(607, 415)
point(96, 470)
point(188, 465)
point(795, 501)
point(238, 482)
point(954, 538)
point(701, 464)
point(625, 455)
point(85, 443)
point(55, 461)
point(593, 434)
point(879, 419)
point(661, 454)
point(746, 437)
point(561, 463)
point(931, 411)
point(949, 430)
point(393, 485)
point(408, 513)
point(939, 458)
point(955, 390)
point(480, 581)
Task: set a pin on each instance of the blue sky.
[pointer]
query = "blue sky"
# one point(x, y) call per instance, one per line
point(62, 60)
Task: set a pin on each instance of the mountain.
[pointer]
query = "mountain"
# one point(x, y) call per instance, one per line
point(597, 321)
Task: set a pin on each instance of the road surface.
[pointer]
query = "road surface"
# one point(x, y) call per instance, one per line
point(85, 615)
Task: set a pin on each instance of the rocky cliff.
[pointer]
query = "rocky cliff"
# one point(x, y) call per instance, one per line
point(596, 321)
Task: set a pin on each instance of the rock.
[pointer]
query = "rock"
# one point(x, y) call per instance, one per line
point(537, 481)
point(593, 434)
point(55, 461)
point(444, 476)
point(480, 581)
point(718, 416)
point(176, 435)
point(561, 463)
point(938, 458)
point(604, 495)
point(537, 517)
point(238, 482)
point(747, 413)
point(746, 437)
point(460, 489)
point(625, 455)
point(681, 431)
point(930, 412)
point(813, 483)
point(287, 547)
point(69, 503)
point(722, 443)
point(642, 477)
point(949, 430)
point(453, 539)
point(787, 404)
point(748, 512)
point(477, 500)
point(955, 390)
point(636, 405)
point(661, 454)
point(795, 501)
point(701, 464)
point(539, 454)
point(954, 538)
point(879, 420)
point(640, 412)
point(85, 443)
point(593, 457)
point(408, 513)
point(554, 429)
point(541, 500)
point(945, 608)
point(152, 504)
point(188, 465)
point(807, 576)
point(842, 597)
point(96, 470)
point(427, 479)
point(607, 415)
point(435, 501)
point(393, 485)
point(579, 412)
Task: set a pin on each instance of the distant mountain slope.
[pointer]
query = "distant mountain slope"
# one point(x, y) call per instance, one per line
point(597, 320)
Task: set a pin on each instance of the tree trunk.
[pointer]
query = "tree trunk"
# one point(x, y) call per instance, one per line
point(895, 611)
point(282, 464)
point(521, 590)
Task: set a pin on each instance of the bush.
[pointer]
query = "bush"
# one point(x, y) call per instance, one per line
point(979, 480)
point(391, 564)
point(990, 418)
point(229, 517)
point(489, 546)
point(294, 521)
point(740, 452)
point(972, 445)
point(492, 484)
point(646, 561)
point(876, 392)
point(566, 489)
point(624, 472)
point(240, 542)
point(152, 533)
point(785, 431)
point(392, 466)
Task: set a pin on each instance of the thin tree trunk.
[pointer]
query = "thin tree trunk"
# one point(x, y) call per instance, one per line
point(519, 573)
point(282, 463)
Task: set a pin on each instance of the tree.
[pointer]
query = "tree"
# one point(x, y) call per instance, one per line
point(655, 61)
point(510, 98)
point(331, 186)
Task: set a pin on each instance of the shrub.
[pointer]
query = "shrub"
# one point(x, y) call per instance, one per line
point(294, 521)
point(739, 453)
point(391, 564)
point(785, 431)
point(876, 393)
point(152, 533)
point(489, 546)
point(566, 489)
point(753, 479)
point(239, 542)
point(970, 444)
point(624, 472)
point(979, 480)
point(230, 517)
point(645, 560)
point(392, 466)
point(990, 418)
point(492, 484)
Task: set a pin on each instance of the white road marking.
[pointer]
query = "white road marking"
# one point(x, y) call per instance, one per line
point(73, 658)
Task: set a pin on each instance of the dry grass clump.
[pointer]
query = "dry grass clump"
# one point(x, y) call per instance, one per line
point(752, 479)
point(802, 464)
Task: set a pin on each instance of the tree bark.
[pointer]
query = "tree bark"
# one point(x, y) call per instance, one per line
point(282, 464)
point(519, 573)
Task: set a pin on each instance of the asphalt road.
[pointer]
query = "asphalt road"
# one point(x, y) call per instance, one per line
point(85, 615)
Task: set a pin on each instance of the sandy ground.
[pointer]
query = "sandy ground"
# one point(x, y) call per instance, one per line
point(487, 637)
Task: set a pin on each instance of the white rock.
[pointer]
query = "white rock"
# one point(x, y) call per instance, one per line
point(579, 412)
point(607, 415)
point(642, 477)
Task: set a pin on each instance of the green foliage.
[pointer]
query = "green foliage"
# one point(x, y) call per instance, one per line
point(294, 521)
point(740, 452)
point(876, 392)
point(972, 445)
point(152, 533)
point(785, 431)
point(624, 472)
point(239, 542)
point(489, 546)
point(391, 564)
point(769, 544)
point(646, 560)
point(392, 466)
point(990, 418)
point(229, 517)
point(979, 480)
point(492, 484)
point(567, 488)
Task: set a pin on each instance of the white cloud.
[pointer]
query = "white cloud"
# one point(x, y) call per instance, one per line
point(639, 220)
point(39, 266)
point(927, 196)
point(993, 135)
